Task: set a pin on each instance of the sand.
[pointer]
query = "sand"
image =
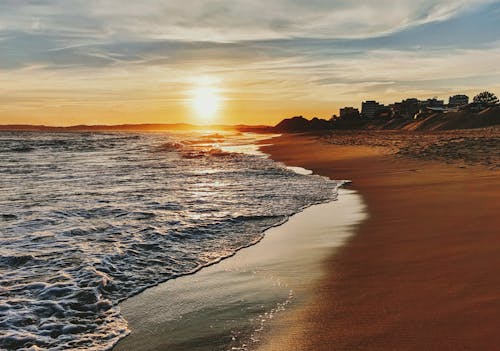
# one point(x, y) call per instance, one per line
point(421, 273)
point(460, 147)
point(227, 306)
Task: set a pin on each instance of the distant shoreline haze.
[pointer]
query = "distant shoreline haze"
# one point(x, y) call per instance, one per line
point(428, 122)
point(459, 113)
point(127, 127)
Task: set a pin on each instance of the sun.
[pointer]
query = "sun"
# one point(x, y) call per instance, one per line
point(206, 102)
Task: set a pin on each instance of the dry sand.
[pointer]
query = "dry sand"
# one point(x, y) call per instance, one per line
point(422, 273)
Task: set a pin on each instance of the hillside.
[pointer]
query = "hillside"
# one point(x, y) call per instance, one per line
point(432, 122)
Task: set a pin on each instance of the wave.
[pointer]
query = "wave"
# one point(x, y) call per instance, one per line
point(27, 142)
point(193, 149)
point(89, 220)
point(16, 261)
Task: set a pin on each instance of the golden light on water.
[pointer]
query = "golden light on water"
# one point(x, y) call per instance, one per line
point(206, 102)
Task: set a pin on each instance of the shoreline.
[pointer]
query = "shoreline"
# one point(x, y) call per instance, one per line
point(419, 273)
point(261, 283)
point(289, 255)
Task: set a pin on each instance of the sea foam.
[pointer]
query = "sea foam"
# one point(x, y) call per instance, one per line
point(90, 219)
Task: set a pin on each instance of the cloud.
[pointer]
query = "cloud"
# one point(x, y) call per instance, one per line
point(224, 20)
point(112, 54)
point(98, 34)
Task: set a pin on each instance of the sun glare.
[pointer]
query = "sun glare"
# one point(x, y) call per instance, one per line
point(206, 102)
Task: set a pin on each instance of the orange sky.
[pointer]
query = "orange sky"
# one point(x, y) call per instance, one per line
point(65, 63)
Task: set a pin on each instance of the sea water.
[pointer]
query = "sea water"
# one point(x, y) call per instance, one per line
point(90, 219)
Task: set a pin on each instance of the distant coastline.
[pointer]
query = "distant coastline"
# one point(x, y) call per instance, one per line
point(410, 115)
point(432, 122)
point(129, 127)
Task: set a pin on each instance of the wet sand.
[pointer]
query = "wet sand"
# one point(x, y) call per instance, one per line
point(421, 273)
point(227, 306)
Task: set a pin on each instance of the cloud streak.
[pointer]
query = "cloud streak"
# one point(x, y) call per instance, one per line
point(112, 58)
point(224, 20)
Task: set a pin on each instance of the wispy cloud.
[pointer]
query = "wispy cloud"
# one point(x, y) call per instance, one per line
point(224, 20)
point(116, 57)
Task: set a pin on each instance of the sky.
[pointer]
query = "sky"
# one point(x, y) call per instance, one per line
point(68, 62)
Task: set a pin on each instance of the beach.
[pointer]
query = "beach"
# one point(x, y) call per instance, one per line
point(404, 260)
point(264, 255)
point(92, 220)
point(249, 175)
point(230, 305)
point(233, 303)
point(420, 273)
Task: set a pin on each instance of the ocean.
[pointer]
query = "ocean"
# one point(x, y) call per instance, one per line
point(88, 220)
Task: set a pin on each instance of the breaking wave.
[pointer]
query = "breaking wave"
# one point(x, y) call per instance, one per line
point(90, 219)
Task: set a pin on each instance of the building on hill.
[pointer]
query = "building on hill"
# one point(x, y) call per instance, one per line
point(349, 113)
point(407, 108)
point(371, 108)
point(458, 100)
point(434, 103)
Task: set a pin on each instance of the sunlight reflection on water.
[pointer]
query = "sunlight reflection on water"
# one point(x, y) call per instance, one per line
point(89, 219)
